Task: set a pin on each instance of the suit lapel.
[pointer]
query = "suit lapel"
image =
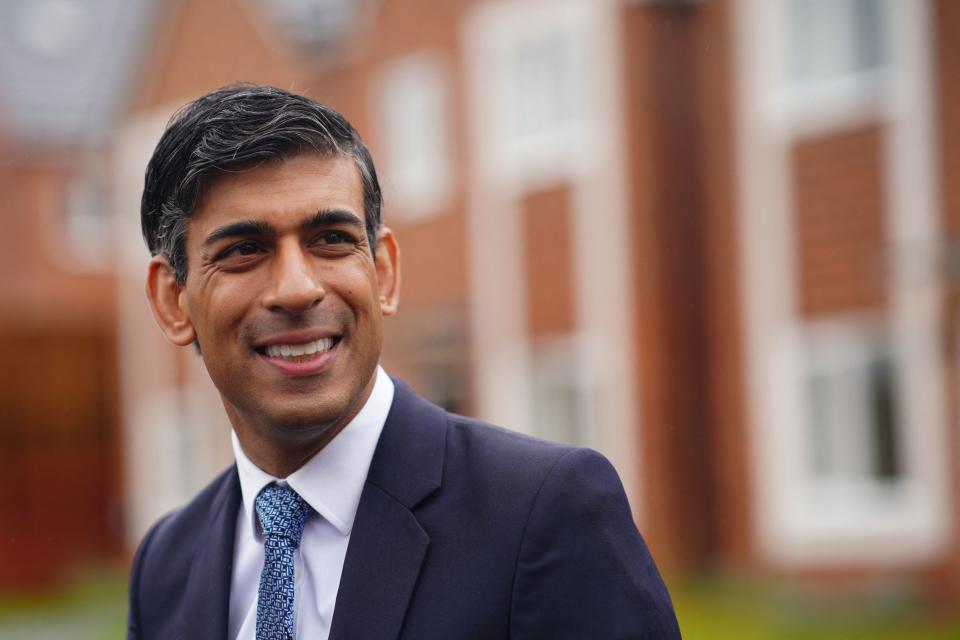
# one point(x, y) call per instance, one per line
point(383, 561)
point(208, 588)
point(387, 544)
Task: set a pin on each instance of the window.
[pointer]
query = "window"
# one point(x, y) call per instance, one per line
point(52, 28)
point(560, 396)
point(412, 108)
point(545, 85)
point(831, 39)
point(313, 23)
point(852, 409)
point(87, 222)
point(849, 443)
point(830, 61)
point(537, 86)
point(543, 93)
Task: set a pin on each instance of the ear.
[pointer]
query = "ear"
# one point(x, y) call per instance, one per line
point(388, 271)
point(165, 297)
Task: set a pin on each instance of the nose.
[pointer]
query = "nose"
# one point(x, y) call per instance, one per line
point(294, 287)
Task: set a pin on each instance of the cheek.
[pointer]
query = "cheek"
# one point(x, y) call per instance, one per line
point(357, 286)
point(220, 306)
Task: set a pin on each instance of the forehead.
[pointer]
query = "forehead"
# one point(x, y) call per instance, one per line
point(282, 192)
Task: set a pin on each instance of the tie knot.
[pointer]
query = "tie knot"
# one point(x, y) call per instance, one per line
point(282, 512)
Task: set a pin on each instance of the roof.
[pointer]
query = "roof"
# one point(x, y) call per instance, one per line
point(66, 66)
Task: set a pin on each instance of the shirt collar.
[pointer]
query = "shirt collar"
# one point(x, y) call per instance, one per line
point(332, 480)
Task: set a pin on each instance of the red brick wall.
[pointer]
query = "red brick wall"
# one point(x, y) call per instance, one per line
point(674, 192)
point(433, 310)
point(730, 472)
point(60, 484)
point(947, 14)
point(199, 46)
point(839, 222)
point(59, 454)
point(550, 292)
point(947, 51)
point(39, 277)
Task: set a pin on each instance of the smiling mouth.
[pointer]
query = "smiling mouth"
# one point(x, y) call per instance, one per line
point(299, 352)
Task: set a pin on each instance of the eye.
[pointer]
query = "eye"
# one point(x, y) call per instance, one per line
point(334, 237)
point(334, 242)
point(245, 249)
point(240, 251)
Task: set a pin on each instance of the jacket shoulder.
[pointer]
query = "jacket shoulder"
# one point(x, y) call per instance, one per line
point(163, 561)
point(177, 529)
point(502, 443)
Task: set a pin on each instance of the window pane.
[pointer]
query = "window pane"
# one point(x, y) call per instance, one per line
point(852, 431)
point(831, 39)
point(886, 457)
point(870, 37)
point(545, 84)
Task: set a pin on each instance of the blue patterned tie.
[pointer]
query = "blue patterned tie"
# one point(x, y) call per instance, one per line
point(282, 513)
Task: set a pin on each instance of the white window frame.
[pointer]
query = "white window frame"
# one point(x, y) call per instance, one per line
point(499, 34)
point(798, 522)
point(841, 353)
point(170, 406)
point(500, 173)
point(819, 104)
point(412, 94)
point(85, 242)
point(556, 369)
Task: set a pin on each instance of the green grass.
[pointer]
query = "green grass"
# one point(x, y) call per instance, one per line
point(709, 610)
point(94, 607)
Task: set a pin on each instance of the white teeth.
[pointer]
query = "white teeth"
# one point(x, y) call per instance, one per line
point(296, 350)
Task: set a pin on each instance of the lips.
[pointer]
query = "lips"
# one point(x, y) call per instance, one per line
point(299, 354)
point(294, 350)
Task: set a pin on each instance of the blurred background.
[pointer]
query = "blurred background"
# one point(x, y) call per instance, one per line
point(717, 240)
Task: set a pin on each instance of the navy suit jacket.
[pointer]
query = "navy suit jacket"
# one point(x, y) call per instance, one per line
point(464, 530)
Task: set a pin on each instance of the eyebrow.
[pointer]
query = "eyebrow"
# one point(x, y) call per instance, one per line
point(330, 217)
point(241, 228)
point(323, 218)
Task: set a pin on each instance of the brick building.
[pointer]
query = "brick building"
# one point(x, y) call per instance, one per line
point(61, 91)
point(712, 239)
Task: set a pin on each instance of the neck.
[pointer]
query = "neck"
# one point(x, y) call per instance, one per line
point(280, 459)
point(281, 448)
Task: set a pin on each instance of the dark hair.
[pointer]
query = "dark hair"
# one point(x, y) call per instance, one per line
point(232, 128)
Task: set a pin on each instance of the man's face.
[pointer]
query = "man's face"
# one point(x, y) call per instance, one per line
point(283, 295)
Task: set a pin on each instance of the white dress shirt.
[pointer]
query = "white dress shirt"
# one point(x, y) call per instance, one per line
point(331, 483)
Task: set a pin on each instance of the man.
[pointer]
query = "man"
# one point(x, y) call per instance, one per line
point(356, 509)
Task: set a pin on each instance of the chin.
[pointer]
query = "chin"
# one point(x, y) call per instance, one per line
point(302, 422)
